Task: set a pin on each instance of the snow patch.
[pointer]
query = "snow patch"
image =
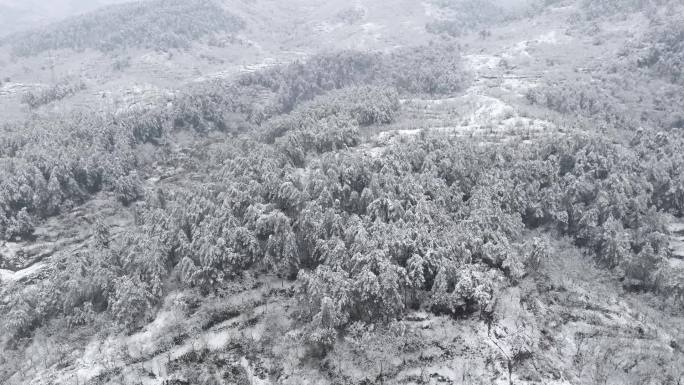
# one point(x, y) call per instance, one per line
point(327, 27)
point(677, 247)
point(11, 276)
point(548, 38)
point(432, 10)
point(518, 50)
point(519, 86)
point(676, 227)
point(491, 109)
point(10, 89)
point(386, 135)
point(372, 28)
point(481, 62)
point(375, 152)
point(677, 239)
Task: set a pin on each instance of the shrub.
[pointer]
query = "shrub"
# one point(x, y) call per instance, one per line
point(20, 226)
point(130, 303)
point(51, 94)
point(128, 188)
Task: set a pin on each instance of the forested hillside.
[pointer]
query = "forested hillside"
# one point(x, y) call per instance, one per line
point(22, 15)
point(502, 205)
point(161, 25)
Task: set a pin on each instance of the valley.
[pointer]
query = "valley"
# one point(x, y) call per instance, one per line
point(331, 193)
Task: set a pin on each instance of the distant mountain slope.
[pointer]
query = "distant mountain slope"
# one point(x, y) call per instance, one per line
point(159, 24)
point(22, 15)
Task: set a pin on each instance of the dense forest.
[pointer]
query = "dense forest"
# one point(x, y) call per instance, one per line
point(283, 184)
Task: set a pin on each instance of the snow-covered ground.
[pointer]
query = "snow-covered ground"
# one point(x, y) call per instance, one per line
point(102, 355)
point(677, 239)
point(11, 276)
